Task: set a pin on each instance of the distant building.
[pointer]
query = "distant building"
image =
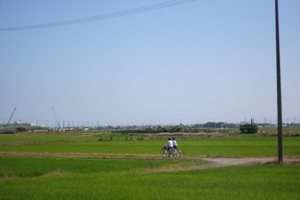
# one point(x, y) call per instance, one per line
point(18, 122)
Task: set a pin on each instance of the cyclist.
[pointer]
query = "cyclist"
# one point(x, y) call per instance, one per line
point(175, 144)
point(170, 146)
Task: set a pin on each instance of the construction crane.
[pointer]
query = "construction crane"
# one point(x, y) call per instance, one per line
point(10, 117)
point(56, 118)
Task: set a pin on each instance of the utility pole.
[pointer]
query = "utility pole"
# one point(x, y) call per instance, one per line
point(279, 103)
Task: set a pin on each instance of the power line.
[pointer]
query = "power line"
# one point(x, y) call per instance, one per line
point(100, 17)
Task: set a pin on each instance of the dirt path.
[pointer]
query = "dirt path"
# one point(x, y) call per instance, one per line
point(223, 162)
point(214, 162)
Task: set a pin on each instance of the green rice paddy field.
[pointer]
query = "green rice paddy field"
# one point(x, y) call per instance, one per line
point(93, 166)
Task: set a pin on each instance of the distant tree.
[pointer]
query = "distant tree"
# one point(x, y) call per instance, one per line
point(197, 126)
point(214, 125)
point(209, 125)
point(20, 129)
point(161, 129)
point(176, 129)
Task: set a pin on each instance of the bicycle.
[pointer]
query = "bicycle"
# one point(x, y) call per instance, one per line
point(163, 153)
point(173, 152)
point(176, 152)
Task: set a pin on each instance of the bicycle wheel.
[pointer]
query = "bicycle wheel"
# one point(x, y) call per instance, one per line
point(163, 153)
point(179, 153)
point(175, 153)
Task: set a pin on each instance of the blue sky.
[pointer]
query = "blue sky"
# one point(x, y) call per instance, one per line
point(205, 60)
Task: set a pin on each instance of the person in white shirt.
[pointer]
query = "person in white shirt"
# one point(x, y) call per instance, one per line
point(170, 145)
point(175, 144)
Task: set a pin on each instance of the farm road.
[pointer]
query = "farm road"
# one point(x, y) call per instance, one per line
point(223, 162)
point(214, 162)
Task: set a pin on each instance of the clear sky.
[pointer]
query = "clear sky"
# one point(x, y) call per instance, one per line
point(204, 60)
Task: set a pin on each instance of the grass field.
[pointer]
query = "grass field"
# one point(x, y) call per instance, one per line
point(247, 146)
point(79, 167)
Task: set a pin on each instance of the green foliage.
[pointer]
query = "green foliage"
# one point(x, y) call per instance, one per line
point(7, 131)
point(176, 129)
point(248, 128)
point(20, 129)
point(213, 125)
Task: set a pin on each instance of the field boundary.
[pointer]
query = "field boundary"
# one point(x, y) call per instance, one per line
point(215, 162)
